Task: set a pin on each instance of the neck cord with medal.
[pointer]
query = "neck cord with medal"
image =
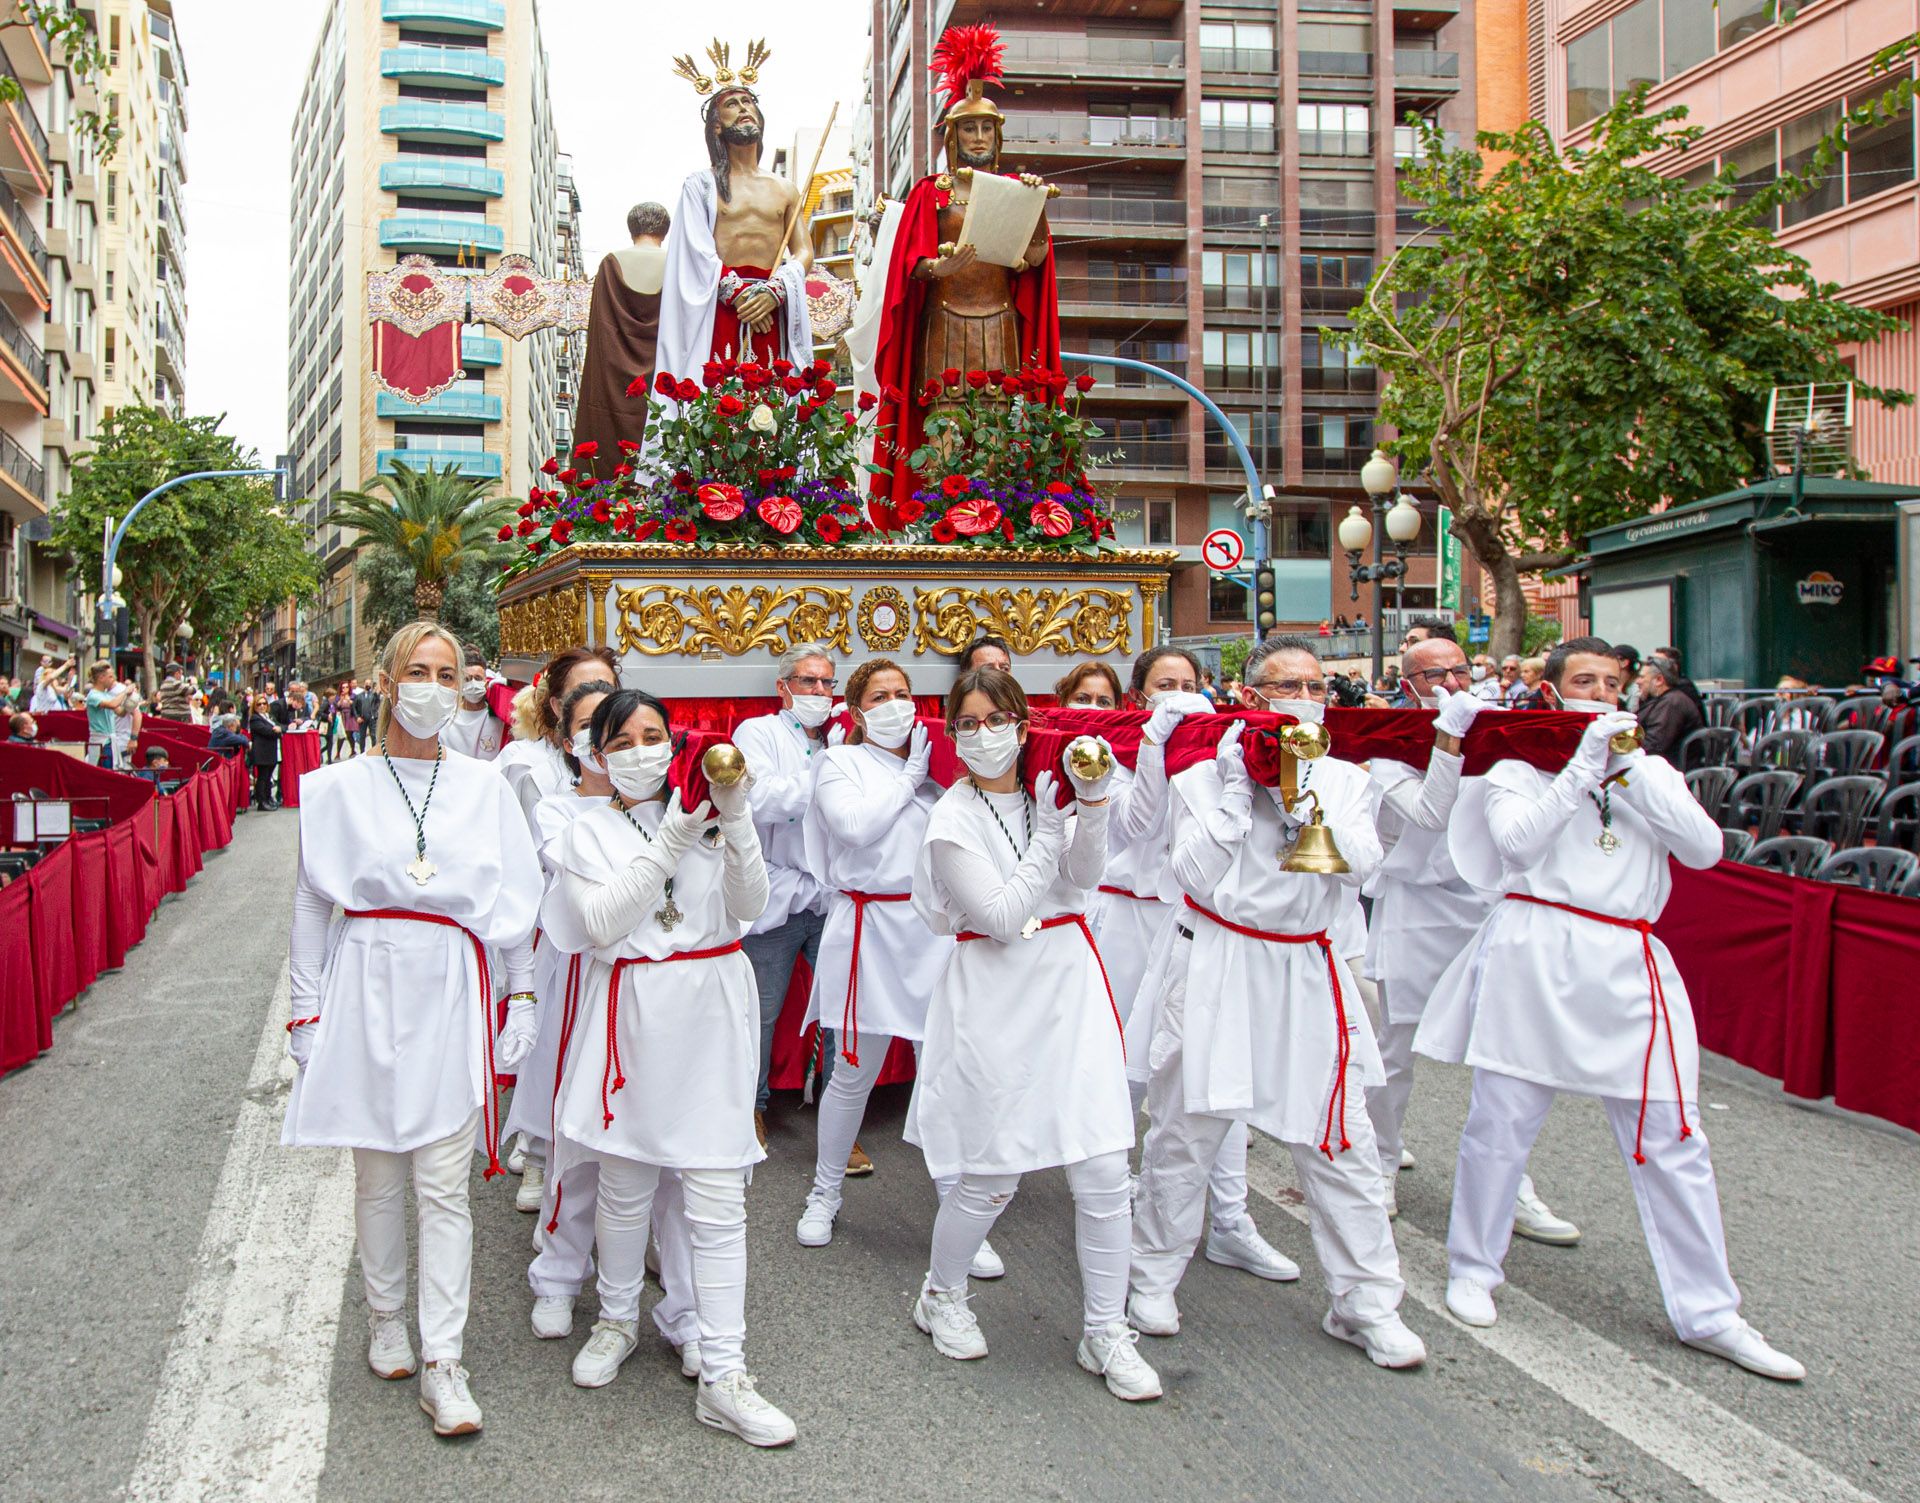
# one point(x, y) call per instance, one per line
point(1032, 926)
point(420, 869)
point(1603, 801)
point(668, 913)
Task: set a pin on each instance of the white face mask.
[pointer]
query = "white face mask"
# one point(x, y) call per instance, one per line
point(1590, 706)
point(1307, 711)
point(1204, 707)
point(583, 745)
point(423, 710)
point(638, 771)
point(1479, 672)
point(812, 710)
point(988, 752)
point(474, 690)
point(889, 724)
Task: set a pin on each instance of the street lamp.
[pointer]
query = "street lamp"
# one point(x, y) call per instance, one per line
point(1400, 521)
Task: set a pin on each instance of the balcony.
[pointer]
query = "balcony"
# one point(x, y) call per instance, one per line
point(171, 352)
point(426, 120)
point(444, 177)
point(1335, 300)
point(1339, 464)
point(1242, 297)
point(1425, 15)
point(1120, 458)
point(23, 484)
point(474, 462)
point(1425, 75)
point(1114, 217)
point(449, 406)
point(1256, 60)
point(25, 362)
point(1350, 144)
point(1129, 298)
point(1334, 69)
point(24, 262)
point(481, 349)
point(1067, 133)
point(441, 232)
point(1241, 218)
point(1346, 380)
point(1120, 385)
point(1057, 55)
point(450, 67)
point(467, 16)
point(23, 144)
point(28, 57)
point(1261, 140)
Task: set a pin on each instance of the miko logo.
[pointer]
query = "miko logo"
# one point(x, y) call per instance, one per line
point(1820, 588)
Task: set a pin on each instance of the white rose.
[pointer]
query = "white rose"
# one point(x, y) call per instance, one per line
point(761, 419)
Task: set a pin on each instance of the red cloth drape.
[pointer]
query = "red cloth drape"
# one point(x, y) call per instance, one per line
point(416, 366)
point(20, 1019)
point(126, 894)
point(56, 966)
point(61, 725)
point(299, 755)
point(90, 919)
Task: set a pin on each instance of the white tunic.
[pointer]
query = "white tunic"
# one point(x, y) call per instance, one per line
point(782, 756)
point(477, 734)
point(863, 833)
point(1023, 1066)
point(532, 1109)
point(1261, 1031)
point(533, 769)
point(400, 1059)
point(1552, 997)
point(1128, 923)
point(688, 1031)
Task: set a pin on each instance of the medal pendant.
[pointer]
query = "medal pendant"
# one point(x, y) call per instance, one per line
point(420, 869)
point(1608, 842)
point(668, 915)
point(1030, 928)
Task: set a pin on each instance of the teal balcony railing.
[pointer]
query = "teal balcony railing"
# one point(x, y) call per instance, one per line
point(446, 177)
point(480, 349)
point(454, 406)
point(474, 462)
point(445, 232)
point(449, 15)
point(430, 120)
point(457, 67)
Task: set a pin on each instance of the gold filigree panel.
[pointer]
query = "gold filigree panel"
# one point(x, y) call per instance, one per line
point(544, 625)
point(885, 619)
point(1064, 621)
point(657, 620)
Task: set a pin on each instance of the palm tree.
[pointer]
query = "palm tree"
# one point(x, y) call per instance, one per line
point(437, 519)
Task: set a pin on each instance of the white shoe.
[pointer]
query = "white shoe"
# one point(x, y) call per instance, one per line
point(389, 1353)
point(553, 1316)
point(1153, 1314)
point(1115, 1355)
point(533, 1184)
point(1387, 1343)
point(816, 1223)
point(1407, 1160)
point(732, 1404)
point(445, 1397)
point(610, 1343)
point(517, 1158)
point(1534, 1221)
point(1393, 1198)
point(689, 1359)
point(1470, 1302)
point(987, 1264)
point(1743, 1345)
point(1244, 1248)
point(946, 1318)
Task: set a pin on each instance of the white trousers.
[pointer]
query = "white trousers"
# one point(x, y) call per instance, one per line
point(716, 1215)
point(842, 1108)
point(1101, 1221)
point(1679, 1204)
point(563, 1257)
point(1387, 1104)
point(1345, 1195)
point(440, 1173)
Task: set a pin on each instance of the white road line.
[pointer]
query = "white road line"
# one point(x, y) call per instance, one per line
point(1711, 1447)
point(241, 1411)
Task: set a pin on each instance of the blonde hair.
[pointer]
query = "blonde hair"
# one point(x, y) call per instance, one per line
point(526, 713)
point(399, 651)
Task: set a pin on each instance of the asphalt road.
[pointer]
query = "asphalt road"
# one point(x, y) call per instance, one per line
point(180, 1316)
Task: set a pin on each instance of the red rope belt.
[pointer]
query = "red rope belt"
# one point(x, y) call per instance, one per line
point(490, 1097)
point(569, 1010)
point(1079, 921)
point(1337, 1098)
point(850, 1010)
point(1657, 1009)
point(612, 1072)
point(1121, 892)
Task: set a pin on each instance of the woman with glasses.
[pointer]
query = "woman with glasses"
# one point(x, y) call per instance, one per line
point(878, 962)
point(1023, 1067)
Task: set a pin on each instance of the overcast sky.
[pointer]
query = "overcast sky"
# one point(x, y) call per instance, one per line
point(632, 129)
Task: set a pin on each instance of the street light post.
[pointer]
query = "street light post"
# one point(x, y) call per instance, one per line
point(1394, 516)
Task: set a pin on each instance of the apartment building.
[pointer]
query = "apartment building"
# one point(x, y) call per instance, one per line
point(424, 127)
point(570, 258)
point(1227, 174)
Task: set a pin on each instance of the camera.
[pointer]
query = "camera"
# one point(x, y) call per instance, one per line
point(1346, 693)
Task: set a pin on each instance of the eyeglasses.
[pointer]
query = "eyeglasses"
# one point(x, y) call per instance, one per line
point(999, 720)
point(1292, 688)
point(807, 681)
point(1431, 676)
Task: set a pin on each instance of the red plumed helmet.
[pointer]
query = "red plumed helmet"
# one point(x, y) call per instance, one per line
point(965, 60)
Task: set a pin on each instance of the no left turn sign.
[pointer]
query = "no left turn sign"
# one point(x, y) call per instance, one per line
point(1223, 550)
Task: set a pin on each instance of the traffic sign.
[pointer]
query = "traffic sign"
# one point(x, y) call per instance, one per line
point(1223, 549)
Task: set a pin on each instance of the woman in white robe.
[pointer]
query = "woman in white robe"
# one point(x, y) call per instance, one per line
point(534, 762)
point(665, 1046)
point(429, 859)
point(1023, 1066)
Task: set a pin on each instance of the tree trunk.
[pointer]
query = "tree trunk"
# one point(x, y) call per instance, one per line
point(1482, 538)
point(149, 683)
point(428, 594)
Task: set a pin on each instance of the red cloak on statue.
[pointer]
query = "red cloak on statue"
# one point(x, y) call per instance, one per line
point(902, 427)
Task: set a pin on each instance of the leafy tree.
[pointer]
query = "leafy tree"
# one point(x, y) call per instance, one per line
point(1580, 338)
point(469, 608)
point(278, 568)
point(435, 518)
point(70, 34)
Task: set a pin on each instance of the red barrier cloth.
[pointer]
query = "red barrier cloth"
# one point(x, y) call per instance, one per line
point(180, 730)
point(25, 767)
point(171, 871)
point(56, 970)
point(1875, 1034)
point(792, 1049)
point(61, 725)
point(126, 904)
point(89, 906)
point(299, 754)
point(147, 860)
point(20, 1015)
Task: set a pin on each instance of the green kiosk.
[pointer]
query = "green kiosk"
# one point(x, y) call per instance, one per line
point(1758, 582)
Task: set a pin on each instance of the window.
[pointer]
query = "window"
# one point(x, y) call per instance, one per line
point(1880, 157)
point(1237, 124)
point(1740, 19)
point(1159, 524)
point(1335, 49)
point(1650, 41)
point(1636, 47)
point(1237, 46)
point(1230, 278)
point(1233, 357)
point(1335, 441)
point(1687, 30)
point(113, 196)
point(1326, 364)
point(1259, 431)
point(1299, 532)
point(1588, 93)
point(1227, 599)
point(1799, 140)
point(1752, 166)
point(1341, 130)
point(109, 284)
point(1336, 206)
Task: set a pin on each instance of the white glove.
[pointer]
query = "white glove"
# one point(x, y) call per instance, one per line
point(836, 734)
point(1171, 711)
point(1049, 822)
point(731, 802)
point(1593, 750)
point(1231, 758)
point(1089, 790)
point(680, 826)
point(300, 1043)
point(1457, 711)
point(919, 754)
point(515, 1043)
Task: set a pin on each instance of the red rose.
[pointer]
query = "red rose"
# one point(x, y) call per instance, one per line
point(828, 529)
point(588, 482)
point(686, 391)
point(723, 503)
point(944, 531)
point(1059, 488)
point(1006, 528)
point(824, 390)
point(783, 367)
point(681, 530)
point(973, 517)
point(525, 527)
point(1084, 381)
point(793, 386)
point(950, 376)
point(711, 375)
point(682, 481)
point(955, 485)
point(928, 393)
point(586, 450)
point(561, 532)
point(782, 514)
point(730, 406)
point(1051, 518)
point(567, 476)
point(909, 511)
point(602, 513)
point(849, 419)
point(977, 380)
point(662, 383)
point(505, 532)
point(866, 401)
point(551, 467)
point(526, 508)
point(644, 530)
point(535, 546)
point(622, 471)
point(628, 446)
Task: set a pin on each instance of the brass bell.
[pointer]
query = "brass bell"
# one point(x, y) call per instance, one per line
point(1315, 853)
point(1306, 740)
point(1623, 742)
point(1089, 759)
point(723, 764)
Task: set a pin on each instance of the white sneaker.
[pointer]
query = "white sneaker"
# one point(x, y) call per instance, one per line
point(1393, 1197)
point(1115, 1355)
point(1534, 1221)
point(1153, 1314)
point(553, 1316)
point(946, 1318)
point(1743, 1345)
point(533, 1185)
point(1387, 1343)
point(731, 1404)
point(1407, 1160)
point(689, 1359)
point(445, 1397)
point(1244, 1248)
point(389, 1353)
point(610, 1343)
point(816, 1222)
point(987, 1264)
point(517, 1157)
point(1470, 1302)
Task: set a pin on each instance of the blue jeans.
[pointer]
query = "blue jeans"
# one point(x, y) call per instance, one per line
point(773, 955)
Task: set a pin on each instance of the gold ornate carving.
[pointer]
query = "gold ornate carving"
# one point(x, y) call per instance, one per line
point(876, 633)
point(544, 624)
point(658, 620)
point(1089, 621)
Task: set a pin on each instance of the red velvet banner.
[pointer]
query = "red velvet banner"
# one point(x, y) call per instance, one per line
point(299, 755)
point(19, 1005)
point(56, 963)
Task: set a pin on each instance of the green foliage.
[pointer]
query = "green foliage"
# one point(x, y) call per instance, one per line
point(469, 609)
point(1233, 656)
point(70, 34)
point(435, 518)
point(1540, 634)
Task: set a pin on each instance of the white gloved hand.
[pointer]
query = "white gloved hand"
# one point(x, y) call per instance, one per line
point(1171, 711)
point(731, 802)
point(1458, 711)
point(1049, 821)
point(515, 1043)
point(1231, 758)
point(1593, 750)
point(680, 826)
point(1088, 790)
point(919, 754)
point(837, 734)
point(300, 1043)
